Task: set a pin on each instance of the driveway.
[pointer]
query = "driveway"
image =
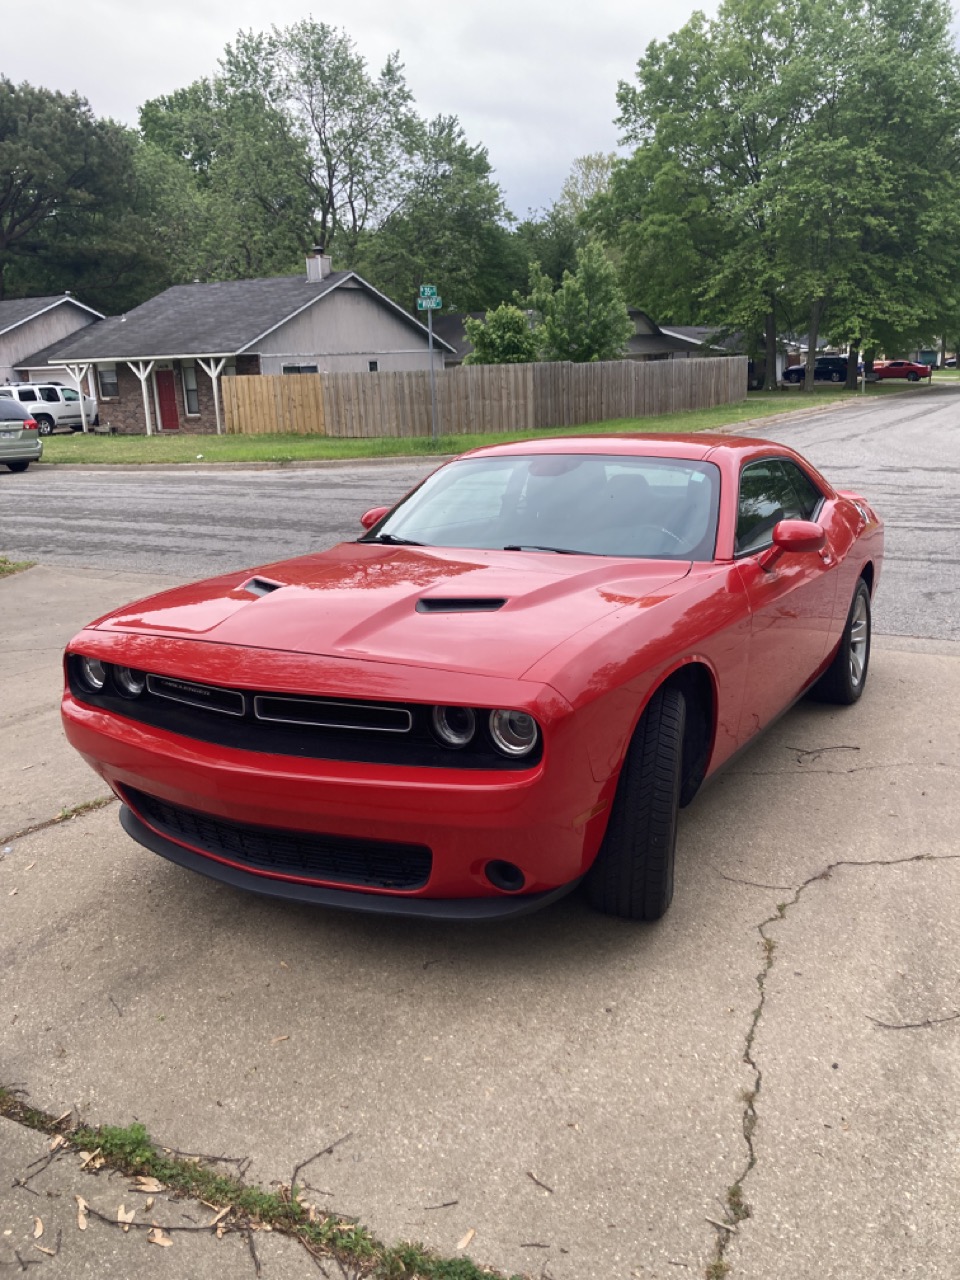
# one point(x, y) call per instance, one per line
point(578, 1092)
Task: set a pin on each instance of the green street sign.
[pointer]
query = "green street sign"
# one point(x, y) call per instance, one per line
point(429, 304)
point(428, 291)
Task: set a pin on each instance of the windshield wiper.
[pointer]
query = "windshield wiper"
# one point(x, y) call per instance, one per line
point(560, 551)
point(393, 540)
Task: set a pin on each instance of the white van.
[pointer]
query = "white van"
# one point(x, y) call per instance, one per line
point(52, 404)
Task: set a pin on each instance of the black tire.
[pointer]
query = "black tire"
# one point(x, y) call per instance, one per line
point(632, 876)
point(840, 683)
point(44, 424)
point(836, 377)
point(912, 376)
point(17, 466)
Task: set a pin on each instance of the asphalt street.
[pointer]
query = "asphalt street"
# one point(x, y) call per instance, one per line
point(572, 1096)
point(901, 452)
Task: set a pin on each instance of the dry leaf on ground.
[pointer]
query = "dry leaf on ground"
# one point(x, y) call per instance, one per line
point(51, 1253)
point(160, 1237)
point(81, 1212)
point(58, 1141)
point(277, 1039)
point(125, 1216)
point(145, 1183)
point(92, 1158)
point(37, 1228)
point(462, 1244)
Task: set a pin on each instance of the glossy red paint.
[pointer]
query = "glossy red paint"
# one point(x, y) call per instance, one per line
point(581, 644)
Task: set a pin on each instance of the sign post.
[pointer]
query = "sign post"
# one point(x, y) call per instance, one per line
point(430, 302)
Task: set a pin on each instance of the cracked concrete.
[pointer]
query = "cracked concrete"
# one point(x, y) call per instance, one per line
point(475, 1069)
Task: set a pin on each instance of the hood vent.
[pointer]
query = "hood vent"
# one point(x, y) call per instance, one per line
point(260, 586)
point(460, 604)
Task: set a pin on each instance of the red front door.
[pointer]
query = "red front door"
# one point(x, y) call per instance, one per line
point(167, 398)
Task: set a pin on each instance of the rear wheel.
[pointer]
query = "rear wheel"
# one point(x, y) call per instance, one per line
point(17, 466)
point(836, 377)
point(44, 423)
point(633, 872)
point(844, 680)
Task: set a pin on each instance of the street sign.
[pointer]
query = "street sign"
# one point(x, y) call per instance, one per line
point(428, 291)
point(429, 304)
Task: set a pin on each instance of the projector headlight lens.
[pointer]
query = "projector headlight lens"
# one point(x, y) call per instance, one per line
point(130, 683)
point(93, 672)
point(515, 733)
point(454, 726)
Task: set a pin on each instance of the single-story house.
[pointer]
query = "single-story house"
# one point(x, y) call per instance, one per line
point(29, 324)
point(649, 341)
point(159, 367)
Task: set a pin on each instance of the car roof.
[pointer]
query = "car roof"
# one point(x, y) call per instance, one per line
point(10, 408)
point(693, 448)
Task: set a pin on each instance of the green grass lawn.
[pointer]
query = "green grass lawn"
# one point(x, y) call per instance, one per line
point(290, 448)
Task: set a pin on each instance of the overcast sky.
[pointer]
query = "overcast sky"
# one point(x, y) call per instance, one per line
point(533, 80)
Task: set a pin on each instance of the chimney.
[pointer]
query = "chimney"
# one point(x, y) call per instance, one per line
point(319, 264)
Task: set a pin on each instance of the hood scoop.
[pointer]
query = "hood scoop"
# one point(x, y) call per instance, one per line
point(260, 586)
point(460, 604)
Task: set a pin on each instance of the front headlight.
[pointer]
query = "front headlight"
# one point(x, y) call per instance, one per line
point(454, 726)
point(515, 733)
point(93, 673)
point(130, 683)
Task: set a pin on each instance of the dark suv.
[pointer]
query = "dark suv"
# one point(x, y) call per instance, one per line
point(825, 369)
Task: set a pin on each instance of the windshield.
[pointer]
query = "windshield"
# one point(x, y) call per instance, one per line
point(606, 505)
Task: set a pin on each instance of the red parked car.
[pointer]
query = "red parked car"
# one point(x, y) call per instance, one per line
point(908, 369)
point(507, 684)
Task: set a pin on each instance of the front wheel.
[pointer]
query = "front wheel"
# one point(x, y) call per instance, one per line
point(44, 424)
point(632, 876)
point(913, 377)
point(17, 466)
point(836, 377)
point(843, 681)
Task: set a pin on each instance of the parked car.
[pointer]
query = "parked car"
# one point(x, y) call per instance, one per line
point(507, 684)
point(825, 369)
point(20, 442)
point(909, 369)
point(53, 405)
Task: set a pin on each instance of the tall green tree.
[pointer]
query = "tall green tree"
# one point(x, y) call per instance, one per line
point(585, 318)
point(449, 227)
point(58, 165)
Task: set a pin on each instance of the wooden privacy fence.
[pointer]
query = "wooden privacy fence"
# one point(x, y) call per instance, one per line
point(478, 398)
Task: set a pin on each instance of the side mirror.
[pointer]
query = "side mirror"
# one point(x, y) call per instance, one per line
point(797, 536)
point(373, 516)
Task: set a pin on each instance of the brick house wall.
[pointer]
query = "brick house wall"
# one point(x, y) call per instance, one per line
point(124, 412)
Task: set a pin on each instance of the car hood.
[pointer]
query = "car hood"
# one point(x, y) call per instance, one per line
point(487, 612)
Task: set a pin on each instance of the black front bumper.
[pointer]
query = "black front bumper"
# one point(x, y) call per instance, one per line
point(458, 909)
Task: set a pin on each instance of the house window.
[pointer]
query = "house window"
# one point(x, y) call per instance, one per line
point(190, 394)
point(107, 378)
point(373, 366)
point(300, 368)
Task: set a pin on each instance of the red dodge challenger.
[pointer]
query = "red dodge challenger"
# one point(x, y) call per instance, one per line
point(506, 686)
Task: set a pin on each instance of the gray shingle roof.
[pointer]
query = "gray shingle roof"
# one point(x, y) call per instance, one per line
point(16, 311)
point(223, 318)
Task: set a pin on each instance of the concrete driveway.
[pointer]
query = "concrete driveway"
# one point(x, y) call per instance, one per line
point(579, 1092)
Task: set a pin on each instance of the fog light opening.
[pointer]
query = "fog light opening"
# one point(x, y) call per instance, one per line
point(505, 876)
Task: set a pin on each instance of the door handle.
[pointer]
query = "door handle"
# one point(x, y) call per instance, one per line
point(826, 555)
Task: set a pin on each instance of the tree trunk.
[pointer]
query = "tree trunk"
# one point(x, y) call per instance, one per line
point(816, 310)
point(853, 357)
point(770, 348)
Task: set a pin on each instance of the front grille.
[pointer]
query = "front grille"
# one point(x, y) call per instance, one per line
point(373, 864)
point(318, 727)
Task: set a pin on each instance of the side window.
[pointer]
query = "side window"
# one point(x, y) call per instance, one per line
point(69, 395)
point(50, 394)
point(6, 393)
point(766, 498)
point(807, 492)
point(28, 395)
